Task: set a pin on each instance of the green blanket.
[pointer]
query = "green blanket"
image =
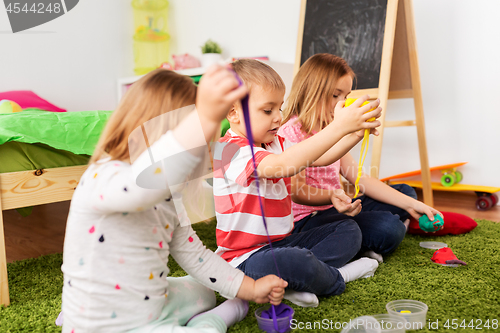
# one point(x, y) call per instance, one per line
point(20, 156)
point(77, 132)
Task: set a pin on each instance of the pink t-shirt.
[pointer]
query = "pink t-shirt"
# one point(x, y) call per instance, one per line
point(321, 177)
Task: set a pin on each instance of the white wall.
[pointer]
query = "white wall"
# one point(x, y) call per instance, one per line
point(242, 28)
point(458, 44)
point(77, 65)
point(74, 60)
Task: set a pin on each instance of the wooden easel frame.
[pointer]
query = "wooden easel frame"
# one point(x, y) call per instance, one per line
point(399, 78)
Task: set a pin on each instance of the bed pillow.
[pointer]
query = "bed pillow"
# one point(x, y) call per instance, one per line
point(454, 224)
point(28, 99)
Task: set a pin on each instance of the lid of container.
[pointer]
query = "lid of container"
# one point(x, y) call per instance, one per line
point(433, 245)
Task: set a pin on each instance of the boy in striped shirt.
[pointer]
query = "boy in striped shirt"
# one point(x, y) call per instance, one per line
point(314, 262)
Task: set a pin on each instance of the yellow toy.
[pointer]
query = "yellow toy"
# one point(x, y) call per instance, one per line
point(151, 39)
point(7, 106)
point(364, 146)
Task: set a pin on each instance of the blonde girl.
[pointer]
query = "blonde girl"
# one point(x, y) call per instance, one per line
point(123, 225)
point(382, 213)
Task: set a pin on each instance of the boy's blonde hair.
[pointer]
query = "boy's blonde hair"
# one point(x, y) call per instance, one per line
point(313, 89)
point(256, 72)
point(157, 93)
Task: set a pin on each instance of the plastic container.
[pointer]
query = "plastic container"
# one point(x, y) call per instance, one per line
point(381, 323)
point(433, 245)
point(416, 317)
point(152, 14)
point(149, 55)
point(151, 38)
point(267, 325)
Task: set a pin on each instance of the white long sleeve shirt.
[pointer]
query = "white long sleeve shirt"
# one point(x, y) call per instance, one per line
point(118, 239)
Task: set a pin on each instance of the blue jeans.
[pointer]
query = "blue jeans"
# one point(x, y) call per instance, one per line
point(308, 261)
point(380, 223)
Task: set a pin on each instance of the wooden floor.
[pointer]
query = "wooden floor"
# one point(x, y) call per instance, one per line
point(43, 231)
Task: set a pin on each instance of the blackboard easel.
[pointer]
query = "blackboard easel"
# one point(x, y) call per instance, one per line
point(398, 72)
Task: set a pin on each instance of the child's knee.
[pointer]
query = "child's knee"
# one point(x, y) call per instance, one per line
point(407, 190)
point(394, 232)
point(352, 231)
point(356, 235)
point(393, 225)
point(298, 257)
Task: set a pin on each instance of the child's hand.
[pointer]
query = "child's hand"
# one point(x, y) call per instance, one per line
point(361, 133)
point(418, 209)
point(269, 288)
point(217, 92)
point(353, 118)
point(343, 203)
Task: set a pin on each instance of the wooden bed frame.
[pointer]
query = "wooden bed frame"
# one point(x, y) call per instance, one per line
point(31, 188)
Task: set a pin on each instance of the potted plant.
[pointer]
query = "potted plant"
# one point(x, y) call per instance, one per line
point(211, 53)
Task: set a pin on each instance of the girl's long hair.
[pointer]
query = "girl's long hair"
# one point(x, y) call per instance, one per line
point(313, 89)
point(156, 94)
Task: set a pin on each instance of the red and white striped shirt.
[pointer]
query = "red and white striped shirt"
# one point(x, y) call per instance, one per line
point(240, 229)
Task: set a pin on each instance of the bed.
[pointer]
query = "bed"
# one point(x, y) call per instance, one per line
point(42, 157)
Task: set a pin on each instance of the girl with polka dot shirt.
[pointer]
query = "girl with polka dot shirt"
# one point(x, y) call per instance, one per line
point(124, 223)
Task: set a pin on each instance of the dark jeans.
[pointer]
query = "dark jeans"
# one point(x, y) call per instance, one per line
point(380, 224)
point(308, 261)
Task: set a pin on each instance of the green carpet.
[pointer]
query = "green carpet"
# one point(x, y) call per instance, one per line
point(469, 292)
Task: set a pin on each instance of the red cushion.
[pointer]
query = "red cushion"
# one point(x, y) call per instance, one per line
point(28, 99)
point(454, 224)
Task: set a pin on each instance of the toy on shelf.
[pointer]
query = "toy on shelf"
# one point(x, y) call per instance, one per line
point(185, 61)
point(151, 39)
